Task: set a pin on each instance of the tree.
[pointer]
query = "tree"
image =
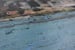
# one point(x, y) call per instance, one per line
point(21, 11)
point(32, 3)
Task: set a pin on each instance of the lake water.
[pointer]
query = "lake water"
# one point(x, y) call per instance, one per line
point(51, 35)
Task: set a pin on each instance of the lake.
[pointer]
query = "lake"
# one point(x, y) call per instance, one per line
point(56, 34)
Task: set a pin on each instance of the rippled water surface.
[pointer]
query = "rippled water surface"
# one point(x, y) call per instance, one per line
point(51, 35)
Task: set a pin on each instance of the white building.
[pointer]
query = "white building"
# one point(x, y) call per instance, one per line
point(24, 5)
point(8, 2)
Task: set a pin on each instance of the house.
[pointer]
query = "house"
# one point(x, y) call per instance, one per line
point(62, 2)
point(43, 3)
point(29, 12)
point(12, 12)
point(8, 2)
point(24, 5)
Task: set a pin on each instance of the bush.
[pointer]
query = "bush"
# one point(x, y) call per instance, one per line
point(21, 11)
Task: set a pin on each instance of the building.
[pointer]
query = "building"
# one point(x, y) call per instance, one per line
point(24, 5)
point(12, 12)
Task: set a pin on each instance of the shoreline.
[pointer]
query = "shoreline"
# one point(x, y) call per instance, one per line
point(11, 19)
point(39, 13)
point(37, 21)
